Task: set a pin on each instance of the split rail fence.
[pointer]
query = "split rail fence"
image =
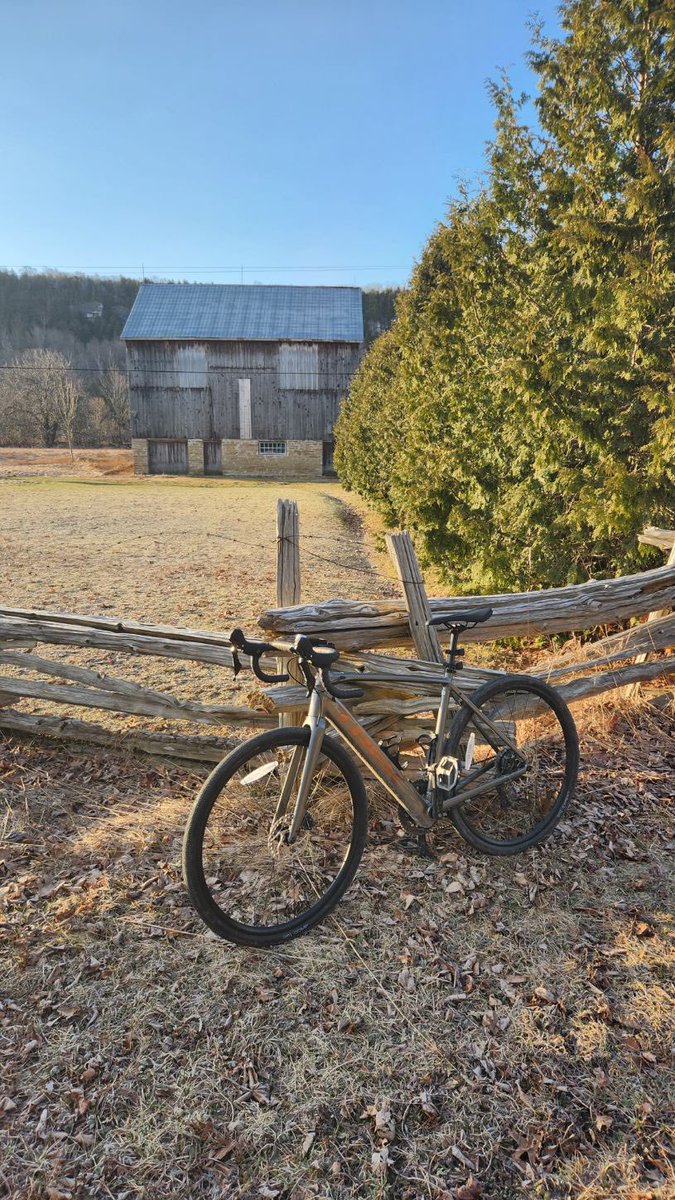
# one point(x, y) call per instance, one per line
point(399, 691)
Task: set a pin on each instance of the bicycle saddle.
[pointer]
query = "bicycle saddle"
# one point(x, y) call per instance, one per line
point(462, 617)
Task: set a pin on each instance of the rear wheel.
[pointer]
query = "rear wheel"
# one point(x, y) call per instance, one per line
point(536, 744)
point(244, 878)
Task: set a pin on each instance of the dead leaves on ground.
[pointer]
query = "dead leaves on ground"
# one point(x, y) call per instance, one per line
point(491, 1025)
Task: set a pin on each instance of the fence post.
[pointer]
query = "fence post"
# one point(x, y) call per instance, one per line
point(288, 571)
point(650, 539)
point(407, 568)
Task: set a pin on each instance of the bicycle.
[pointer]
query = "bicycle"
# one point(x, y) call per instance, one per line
point(278, 829)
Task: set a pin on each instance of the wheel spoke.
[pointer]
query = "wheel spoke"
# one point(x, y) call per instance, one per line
point(521, 809)
point(254, 875)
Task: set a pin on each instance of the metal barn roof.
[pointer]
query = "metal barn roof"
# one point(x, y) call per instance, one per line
point(245, 312)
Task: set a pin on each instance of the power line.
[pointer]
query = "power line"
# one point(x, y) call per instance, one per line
point(243, 371)
point(333, 562)
point(143, 269)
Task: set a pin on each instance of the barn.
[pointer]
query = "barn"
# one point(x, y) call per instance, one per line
point(229, 379)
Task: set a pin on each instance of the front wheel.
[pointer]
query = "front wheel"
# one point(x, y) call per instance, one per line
point(247, 882)
point(521, 747)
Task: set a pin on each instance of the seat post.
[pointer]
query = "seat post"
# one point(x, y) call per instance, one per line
point(453, 652)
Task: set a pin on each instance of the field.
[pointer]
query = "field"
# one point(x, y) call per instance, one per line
point(461, 1027)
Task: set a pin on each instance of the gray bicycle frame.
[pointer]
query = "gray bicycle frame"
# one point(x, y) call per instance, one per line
point(325, 709)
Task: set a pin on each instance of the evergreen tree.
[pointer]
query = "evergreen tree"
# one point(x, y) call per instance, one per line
point(529, 372)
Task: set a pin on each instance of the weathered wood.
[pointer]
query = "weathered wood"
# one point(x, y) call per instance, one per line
point(594, 685)
point(61, 633)
point(110, 683)
point(354, 625)
point(196, 395)
point(116, 625)
point(662, 536)
point(288, 553)
point(288, 574)
point(653, 536)
point(642, 639)
point(425, 640)
point(142, 705)
point(166, 745)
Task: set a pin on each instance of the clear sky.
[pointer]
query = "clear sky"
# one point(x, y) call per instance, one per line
point(190, 137)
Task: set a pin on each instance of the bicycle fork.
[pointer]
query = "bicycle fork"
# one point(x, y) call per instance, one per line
point(317, 726)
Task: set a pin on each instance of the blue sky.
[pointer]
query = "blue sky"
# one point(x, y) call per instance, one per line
point(274, 134)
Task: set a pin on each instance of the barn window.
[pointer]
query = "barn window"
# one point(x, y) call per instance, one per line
point(298, 367)
point(268, 448)
point(191, 366)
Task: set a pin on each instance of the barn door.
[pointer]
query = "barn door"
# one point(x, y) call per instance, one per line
point(168, 457)
point(213, 457)
point(327, 464)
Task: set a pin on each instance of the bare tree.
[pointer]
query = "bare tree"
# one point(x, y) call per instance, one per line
point(66, 400)
point(39, 399)
point(115, 394)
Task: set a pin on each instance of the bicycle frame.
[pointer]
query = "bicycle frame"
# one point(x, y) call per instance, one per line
point(324, 708)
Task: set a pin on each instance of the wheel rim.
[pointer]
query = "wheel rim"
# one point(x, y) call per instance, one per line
point(256, 878)
point(517, 809)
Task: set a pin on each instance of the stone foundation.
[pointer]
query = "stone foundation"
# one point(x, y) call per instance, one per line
point(195, 456)
point(303, 460)
point(241, 460)
point(139, 451)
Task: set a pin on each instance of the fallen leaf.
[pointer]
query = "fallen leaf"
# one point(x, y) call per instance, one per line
point(461, 1157)
point(380, 1160)
point(470, 1190)
point(427, 1105)
point(544, 995)
point(307, 1142)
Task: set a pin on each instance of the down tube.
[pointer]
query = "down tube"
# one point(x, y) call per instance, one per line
point(374, 758)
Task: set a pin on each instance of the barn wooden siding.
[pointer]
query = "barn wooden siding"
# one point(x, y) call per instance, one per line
point(191, 389)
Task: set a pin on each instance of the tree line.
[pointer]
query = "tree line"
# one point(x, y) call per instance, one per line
point(62, 364)
point(519, 414)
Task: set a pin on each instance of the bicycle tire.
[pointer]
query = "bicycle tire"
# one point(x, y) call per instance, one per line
point(193, 865)
point(461, 814)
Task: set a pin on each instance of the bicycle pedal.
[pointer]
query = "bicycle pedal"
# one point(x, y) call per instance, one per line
point(417, 846)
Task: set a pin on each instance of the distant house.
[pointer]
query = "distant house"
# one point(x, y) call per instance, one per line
point(91, 309)
point(239, 379)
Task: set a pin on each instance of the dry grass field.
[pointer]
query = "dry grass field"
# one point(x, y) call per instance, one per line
point(461, 1028)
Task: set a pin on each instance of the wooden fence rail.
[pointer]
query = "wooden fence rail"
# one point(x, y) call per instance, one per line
point(399, 692)
point(358, 625)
